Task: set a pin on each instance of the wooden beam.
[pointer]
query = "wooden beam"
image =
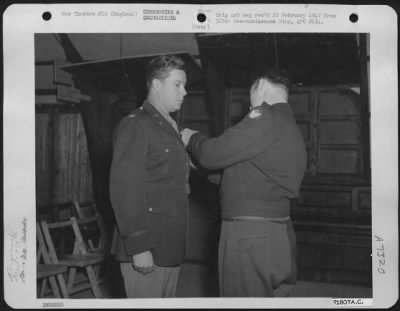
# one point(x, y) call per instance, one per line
point(46, 100)
point(364, 105)
point(71, 52)
point(52, 132)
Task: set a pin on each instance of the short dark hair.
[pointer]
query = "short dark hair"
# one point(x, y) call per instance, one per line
point(161, 66)
point(275, 76)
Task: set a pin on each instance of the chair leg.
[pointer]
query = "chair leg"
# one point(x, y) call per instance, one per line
point(63, 286)
point(71, 279)
point(54, 287)
point(43, 285)
point(94, 282)
point(96, 270)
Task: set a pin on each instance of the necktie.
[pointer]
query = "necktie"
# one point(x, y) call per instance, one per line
point(174, 125)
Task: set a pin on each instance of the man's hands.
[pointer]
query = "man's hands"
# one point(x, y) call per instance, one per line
point(143, 262)
point(186, 134)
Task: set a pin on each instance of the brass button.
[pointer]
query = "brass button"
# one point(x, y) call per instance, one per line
point(167, 150)
point(150, 209)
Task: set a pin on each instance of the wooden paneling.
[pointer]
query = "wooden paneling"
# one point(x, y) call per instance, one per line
point(339, 132)
point(362, 197)
point(71, 177)
point(331, 199)
point(321, 258)
point(339, 160)
point(305, 129)
point(301, 102)
point(339, 102)
point(42, 156)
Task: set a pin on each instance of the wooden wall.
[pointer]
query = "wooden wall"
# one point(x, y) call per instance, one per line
point(62, 164)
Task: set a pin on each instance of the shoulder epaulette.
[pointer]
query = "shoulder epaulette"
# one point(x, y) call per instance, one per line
point(135, 112)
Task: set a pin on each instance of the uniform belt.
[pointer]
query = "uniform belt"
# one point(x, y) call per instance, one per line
point(257, 219)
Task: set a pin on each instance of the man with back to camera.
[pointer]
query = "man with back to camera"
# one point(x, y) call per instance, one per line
point(264, 160)
point(149, 186)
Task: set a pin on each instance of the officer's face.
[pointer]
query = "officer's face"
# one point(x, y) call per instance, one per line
point(172, 90)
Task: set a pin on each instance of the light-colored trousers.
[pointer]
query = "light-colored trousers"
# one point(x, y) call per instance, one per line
point(257, 259)
point(160, 283)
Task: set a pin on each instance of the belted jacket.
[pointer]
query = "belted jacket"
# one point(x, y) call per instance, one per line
point(264, 160)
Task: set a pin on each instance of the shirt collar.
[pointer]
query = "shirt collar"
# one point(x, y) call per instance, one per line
point(158, 116)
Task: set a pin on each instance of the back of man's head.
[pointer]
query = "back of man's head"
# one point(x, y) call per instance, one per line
point(161, 66)
point(275, 76)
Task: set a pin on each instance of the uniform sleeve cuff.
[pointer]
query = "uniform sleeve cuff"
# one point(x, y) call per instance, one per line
point(139, 243)
point(192, 140)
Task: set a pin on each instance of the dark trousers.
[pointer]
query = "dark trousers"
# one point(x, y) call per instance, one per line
point(257, 259)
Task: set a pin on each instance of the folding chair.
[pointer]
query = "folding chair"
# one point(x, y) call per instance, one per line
point(95, 232)
point(85, 209)
point(47, 271)
point(62, 210)
point(77, 257)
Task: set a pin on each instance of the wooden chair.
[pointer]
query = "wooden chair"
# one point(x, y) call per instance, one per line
point(95, 232)
point(62, 210)
point(85, 209)
point(77, 257)
point(47, 271)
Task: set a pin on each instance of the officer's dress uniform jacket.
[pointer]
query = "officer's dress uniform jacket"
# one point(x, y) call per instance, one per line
point(149, 188)
point(264, 158)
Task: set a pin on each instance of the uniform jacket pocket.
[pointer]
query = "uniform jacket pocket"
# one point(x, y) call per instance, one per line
point(162, 158)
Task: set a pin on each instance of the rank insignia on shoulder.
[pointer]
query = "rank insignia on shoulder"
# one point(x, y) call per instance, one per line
point(254, 114)
point(131, 115)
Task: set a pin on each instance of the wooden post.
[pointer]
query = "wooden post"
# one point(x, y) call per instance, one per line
point(52, 128)
point(364, 104)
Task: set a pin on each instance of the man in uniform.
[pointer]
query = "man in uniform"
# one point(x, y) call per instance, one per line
point(264, 160)
point(149, 186)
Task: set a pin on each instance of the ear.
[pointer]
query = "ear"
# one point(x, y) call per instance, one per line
point(156, 84)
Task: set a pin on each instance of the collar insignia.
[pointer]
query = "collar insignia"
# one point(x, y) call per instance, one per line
point(254, 114)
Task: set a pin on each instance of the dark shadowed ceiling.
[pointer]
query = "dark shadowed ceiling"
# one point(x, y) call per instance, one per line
point(115, 61)
point(310, 59)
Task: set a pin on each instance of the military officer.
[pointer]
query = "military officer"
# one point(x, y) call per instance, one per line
point(149, 186)
point(264, 160)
